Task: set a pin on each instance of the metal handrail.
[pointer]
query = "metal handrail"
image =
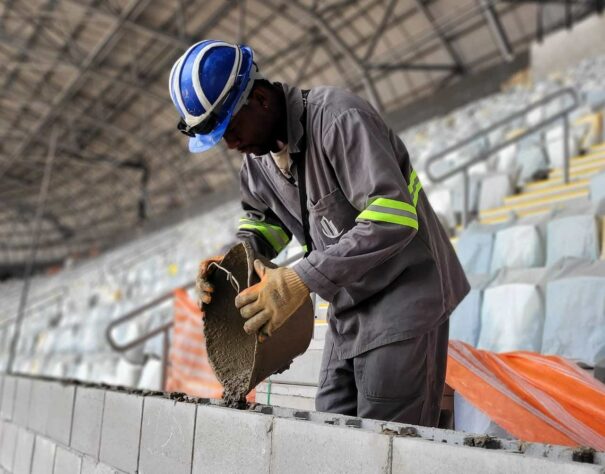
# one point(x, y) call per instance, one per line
point(163, 329)
point(463, 168)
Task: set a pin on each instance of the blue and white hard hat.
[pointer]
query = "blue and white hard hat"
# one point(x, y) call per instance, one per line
point(208, 85)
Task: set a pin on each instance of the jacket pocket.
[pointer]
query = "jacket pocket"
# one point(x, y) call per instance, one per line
point(330, 218)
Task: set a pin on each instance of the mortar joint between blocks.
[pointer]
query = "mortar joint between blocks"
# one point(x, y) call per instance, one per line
point(141, 432)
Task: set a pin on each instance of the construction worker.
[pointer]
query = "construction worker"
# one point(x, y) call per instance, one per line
point(375, 249)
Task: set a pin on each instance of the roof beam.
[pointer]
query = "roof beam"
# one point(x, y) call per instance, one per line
point(182, 42)
point(388, 11)
point(132, 9)
point(411, 67)
point(24, 209)
point(339, 44)
point(38, 58)
point(497, 30)
point(445, 42)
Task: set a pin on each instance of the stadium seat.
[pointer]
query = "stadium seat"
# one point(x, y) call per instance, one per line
point(512, 312)
point(572, 236)
point(574, 325)
point(494, 188)
point(597, 189)
point(518, 246)
point(475, 247)
point(465, 321)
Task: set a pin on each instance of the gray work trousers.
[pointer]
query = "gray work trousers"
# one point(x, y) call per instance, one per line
point(402, 381)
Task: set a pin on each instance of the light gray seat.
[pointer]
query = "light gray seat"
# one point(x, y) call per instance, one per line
point(595, 98)
point(475, 246)
point(531, 160)
point(151, 375)
point(127, 374)
point(554, 146)
point(572, 236)
point(597, 189)
point(494, 188)
point(465, 321)
point(574, 325)
point(472, 420)
point(512, 312)
point(518, 246)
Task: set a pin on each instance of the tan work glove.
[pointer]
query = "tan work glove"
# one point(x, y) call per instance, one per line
point(203, 287)
point(268, 304)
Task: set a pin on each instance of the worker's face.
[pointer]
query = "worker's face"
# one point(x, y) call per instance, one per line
point(253, 128)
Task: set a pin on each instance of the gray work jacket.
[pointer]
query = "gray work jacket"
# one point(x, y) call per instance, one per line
point(380, 256)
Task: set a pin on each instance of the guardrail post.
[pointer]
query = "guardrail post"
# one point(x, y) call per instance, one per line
point(465, 187)
point(165, 344)
point(566, 148)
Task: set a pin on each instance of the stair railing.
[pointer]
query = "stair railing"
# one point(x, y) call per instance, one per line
point(463, 168)
point(163, 329)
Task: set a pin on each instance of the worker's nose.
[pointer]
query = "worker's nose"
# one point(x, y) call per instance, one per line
point(232, 145)
point(231, 140)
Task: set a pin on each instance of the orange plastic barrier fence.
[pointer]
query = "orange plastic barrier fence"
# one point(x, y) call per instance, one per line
point(189, 370)
point(534, 397)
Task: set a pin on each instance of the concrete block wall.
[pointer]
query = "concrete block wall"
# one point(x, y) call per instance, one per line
point(297, 386)
point(58, 427)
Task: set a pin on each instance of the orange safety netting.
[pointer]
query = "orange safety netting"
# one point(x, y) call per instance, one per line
point(189, 370)
point(534, 397)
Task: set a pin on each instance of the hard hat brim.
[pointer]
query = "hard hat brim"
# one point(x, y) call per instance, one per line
point(201, 143)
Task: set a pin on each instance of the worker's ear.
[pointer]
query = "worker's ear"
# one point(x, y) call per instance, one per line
point(261, 96)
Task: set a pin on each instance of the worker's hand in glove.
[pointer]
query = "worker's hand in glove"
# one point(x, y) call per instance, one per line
point(268, 304)
point(203, 287)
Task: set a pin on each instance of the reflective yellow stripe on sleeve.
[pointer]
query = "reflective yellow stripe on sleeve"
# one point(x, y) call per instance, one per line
point(390, 210)
point(393, 211)
point(273, 234)
point(414, 187)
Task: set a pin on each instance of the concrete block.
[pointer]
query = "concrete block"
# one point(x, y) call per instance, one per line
point(24, 452)
point(166, 436)
point(87, 420)
point(8, 397)
point(304, 369)
point(44, 456)
point(420, 456)
point(23, 392)
point(91, 466)
point(302, 447)
point(300, 397)
point(121, 430)
point(9, 443)
point(67, 462)
point(61, 403)
point(39, 406)
point(227, 440)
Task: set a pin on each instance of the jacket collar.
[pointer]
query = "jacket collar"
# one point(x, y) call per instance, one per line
point(294, 110)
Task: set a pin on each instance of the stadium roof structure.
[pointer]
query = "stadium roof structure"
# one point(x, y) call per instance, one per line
point(88, 144)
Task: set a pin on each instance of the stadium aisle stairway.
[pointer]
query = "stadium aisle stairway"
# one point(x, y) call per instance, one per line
point(543, 196)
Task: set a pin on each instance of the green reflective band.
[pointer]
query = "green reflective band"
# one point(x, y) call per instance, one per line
point(388, 217)
point(413, 177)
point(305, 248)
point(272, 233)
point(392, 204)
point(414, 187)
